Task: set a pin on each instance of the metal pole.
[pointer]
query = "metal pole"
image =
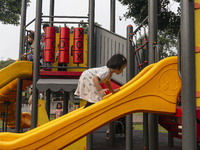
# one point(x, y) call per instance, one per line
point(91, 55)
point(92, 51)
point(3, 116)
point(18, 105)
point(22, 29)
point(20, 82)
point(189, 131)
point(51, 12)
point(153, 26)
point(145, 131)
point(130, 73)
point(6, 121)
point(47, 104)
point(65, 102)
point(112, 15)
point(112, 28)
point(36, 59)
point(170, 139)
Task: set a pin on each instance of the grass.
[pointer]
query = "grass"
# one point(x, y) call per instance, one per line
point(140, 127)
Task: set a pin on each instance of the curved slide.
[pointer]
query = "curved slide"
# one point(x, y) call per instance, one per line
point(8, 90)
point(154, 91)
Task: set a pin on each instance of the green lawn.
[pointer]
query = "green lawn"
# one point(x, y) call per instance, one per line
point(140, 127)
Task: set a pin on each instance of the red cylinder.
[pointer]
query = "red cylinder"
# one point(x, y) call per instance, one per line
point(49, 55)
point(78, 45)
point(64, 33)
point(64, 45)
point(50, 32)
point(49, 52)
point(63, 57)
point(49, 44)
point(78, 33)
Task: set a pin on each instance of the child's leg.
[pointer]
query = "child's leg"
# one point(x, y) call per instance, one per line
point(107, 131)
point(88, 104)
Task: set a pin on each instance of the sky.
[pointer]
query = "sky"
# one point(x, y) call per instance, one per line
point(9, 37)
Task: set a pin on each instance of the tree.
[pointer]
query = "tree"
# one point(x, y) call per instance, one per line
point(5, 63)
point(10, 11)
point(167, 44)
point(168, 20)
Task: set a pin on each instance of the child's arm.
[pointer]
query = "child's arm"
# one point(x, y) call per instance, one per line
point(97, 83)
point(25, 54)
point(109, 86)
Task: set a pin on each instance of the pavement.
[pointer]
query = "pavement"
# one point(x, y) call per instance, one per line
point(100, 143)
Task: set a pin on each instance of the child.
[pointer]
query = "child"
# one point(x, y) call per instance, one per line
point(59, 110)
point(89, 87)
point(29, 55)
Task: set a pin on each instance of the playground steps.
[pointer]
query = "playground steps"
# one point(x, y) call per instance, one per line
point(173, 123)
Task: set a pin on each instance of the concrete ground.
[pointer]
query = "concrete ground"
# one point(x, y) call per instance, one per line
point(100, 143)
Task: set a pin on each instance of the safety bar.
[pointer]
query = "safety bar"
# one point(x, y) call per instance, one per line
point(81, 17)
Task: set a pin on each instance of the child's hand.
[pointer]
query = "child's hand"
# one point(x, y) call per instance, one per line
point(103, 91)
point(116, 90)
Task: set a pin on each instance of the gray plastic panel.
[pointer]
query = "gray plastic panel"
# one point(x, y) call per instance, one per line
point(57, 84)
point(107, 44)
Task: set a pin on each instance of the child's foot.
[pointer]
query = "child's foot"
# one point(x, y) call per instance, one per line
point(107, 138)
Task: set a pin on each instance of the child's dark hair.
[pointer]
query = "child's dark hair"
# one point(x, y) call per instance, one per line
point(31, 35)
point(45, 25)
point(59, 104)
point(116, 61)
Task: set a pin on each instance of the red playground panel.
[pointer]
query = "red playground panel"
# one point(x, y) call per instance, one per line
point(59, 75)
point(173, 123)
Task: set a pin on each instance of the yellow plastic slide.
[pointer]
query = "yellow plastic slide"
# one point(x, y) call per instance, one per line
point(155, 92)
point(8, 90)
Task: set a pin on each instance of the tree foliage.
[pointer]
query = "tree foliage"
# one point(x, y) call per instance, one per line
point(167, 44)
point(4, 63)
point(168, 20)
point(10, 11)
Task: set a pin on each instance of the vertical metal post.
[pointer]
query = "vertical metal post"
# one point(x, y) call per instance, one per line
point(189, 134)
point(130, 73)
point(170, 139)
point(112, 133)
point(145, 131)
point(6, 121)
point(65, 102)
point(18, 105)
point(112, 28)
point(22, 29)
point(153, 26)
point(51, 12)
point(92, 51)
point(47, 104)
point(36, 59)
point(112, 15)
point(91, 55)
point(20, 82)
point(3, 116)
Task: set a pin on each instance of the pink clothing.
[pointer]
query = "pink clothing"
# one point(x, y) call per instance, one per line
point(58, 113)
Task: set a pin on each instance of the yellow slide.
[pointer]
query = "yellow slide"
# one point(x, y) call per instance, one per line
point(155, 92)
point(8, 90)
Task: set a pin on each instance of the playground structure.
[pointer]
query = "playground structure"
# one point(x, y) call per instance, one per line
point(165, 73)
